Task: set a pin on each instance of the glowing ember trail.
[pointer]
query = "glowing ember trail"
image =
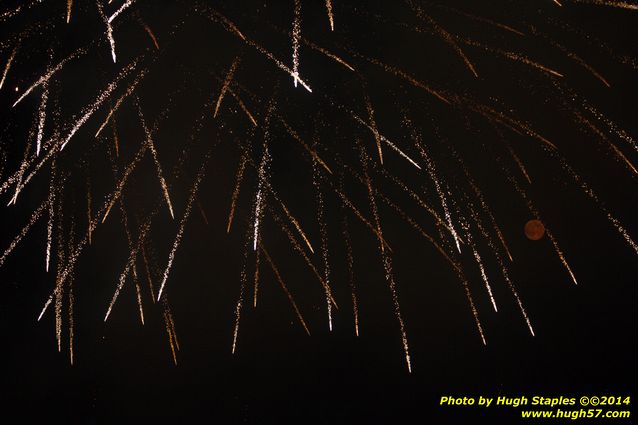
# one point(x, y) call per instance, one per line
point(296, 35)
point(330, 15)
point(8, 65)
point(227, 81)
point(182, 225)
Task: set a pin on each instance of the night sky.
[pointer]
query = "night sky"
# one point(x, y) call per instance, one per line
point(124, 372)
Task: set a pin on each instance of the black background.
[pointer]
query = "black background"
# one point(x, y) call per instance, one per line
point(123, 372)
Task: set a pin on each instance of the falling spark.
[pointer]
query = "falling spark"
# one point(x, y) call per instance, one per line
point(90, 110)
point(227, 81)
point(158, 166)
point(109, 29)
point(42, 115)
point(233, 200)
point(231, 27)
point(182, 225)
point(34, 217)
point(387, 261)
point(120, 10)
point(262, 174)
point(296, 35)
point(69, 6)
point(121, 99)
point(51, 210)
point(351, 280)
point(285, 288)
point(330, 15)
point(151, 35)
point(431, 167)
point(8, 65)
point(445, 36)
point(324, 235)
point(479, 262)
point(50, 72)
point(256, 278)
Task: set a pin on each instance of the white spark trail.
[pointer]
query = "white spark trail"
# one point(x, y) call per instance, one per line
point(296, 35)
point(120, 10)
point(109, 29)
point(90, 110)
point(182, 225)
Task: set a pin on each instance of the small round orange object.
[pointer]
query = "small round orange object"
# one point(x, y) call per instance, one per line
point(534, 230)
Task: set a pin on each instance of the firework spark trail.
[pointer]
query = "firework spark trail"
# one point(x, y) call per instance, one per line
point(148, 272)
point(479, 19)
point(42, 116)
point(233, 200)
point(23, 7)
point(594, 197)
point(171, 336)
point(256, 277)
point(321, 219)
point(243, 281)
point(150, 34)
point(537, 216)
point(488, 211)
point(243, 107)
point(121, 99)
point(403, 75)
point(504, 270)
point(232, 28)
point(417, 199)
point(431, 167)
point(470, 299)
point(479, 196)
point(296, 35)
point(132, 248)
point(34, 217)
point(109, 29)
point(519, 163)
point(285, 288)
point(616, 4)
point(328, 54)
point(59, 284)
point(347, 202)
point(71, 302)
point(418, 228)
point(51, 210)
point(445, 36)
point(298, 139)
point(116, 137)
point(103, 96)
point(498, 117)
point(373, 123)
point(330, 14)
point(479, 261)
point(158, 166)
point(227, 80)
point(120, 10)
point(111, 198)
point(386, 259)
point(130, 264)
point(295, 244)
point(262, 173)
point(202, 212)
point(351, 279)
point(613, 128)
point(513, 56)
point(573, 56)
point(89, 207)
point(50, 72)
point(8, 65)
point(69, 7)
point(21, 171)
point(382, 138)
point(182, 225)
point(617, 152)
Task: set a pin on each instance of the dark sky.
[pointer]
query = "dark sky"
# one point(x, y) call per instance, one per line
point(124, 372)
